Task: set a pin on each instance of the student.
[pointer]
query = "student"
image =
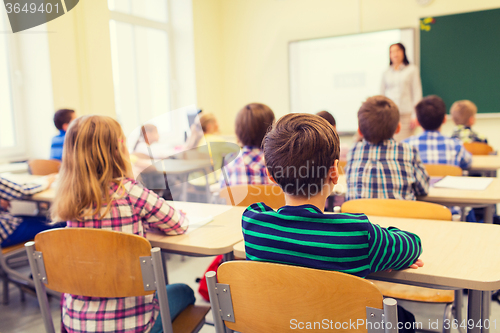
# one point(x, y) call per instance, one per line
point(211, 147)
point(378, 166)
point(17, 230)
point(96, 191)
point(251, 125)
point(145, 145)
point(62, 119)
point(433, 147)
point(463, 114)
point(301, 153)
point(328, 117)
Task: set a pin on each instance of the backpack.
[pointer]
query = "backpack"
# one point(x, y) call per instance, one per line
point(203, 289)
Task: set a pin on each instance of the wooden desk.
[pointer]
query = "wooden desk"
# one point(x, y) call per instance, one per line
point(451, 197)
point(456, 255)
point(214, 238)
point(487, 163)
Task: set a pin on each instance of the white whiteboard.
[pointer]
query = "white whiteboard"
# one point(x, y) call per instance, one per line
point(338, 73)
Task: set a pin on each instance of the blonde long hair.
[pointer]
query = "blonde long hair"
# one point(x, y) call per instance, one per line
point(94, 157)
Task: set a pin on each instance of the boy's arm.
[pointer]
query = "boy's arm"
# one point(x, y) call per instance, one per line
point(421, 186)
point(464, 158)
point(391, 248)
point(10, 190)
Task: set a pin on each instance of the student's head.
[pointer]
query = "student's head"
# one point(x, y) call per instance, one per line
point(431, 112)
point(301, 153)
point(252, 123)
point(94, 156)
point(149, 133)
point(378, 119)
point(328, 117)
point(209, 123)
point(397, 54)
point(463, 113)
point(63, 117)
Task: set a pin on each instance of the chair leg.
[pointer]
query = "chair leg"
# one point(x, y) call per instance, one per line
point(448, 315)
point(5, 290)
point(458, 305)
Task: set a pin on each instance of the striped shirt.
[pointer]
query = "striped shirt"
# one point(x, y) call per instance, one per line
point(435, 148)
point(247, 168)
point(305, 236)
point(9, 191)
point(134, 212)
point(467, 135)
point(56, 148)
point(388, 170)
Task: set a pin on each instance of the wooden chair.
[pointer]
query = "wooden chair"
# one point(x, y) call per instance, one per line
point(8, 255)
point(442, 170)
point(103, 263)
point(478, 148)
point(416, 210)
point(397, 208)
point(341, 166)
point(256, 296)
point(44, 167)
point(245, 195)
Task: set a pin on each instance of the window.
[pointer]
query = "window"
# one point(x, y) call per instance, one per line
point(10, 133)
point(140, 50)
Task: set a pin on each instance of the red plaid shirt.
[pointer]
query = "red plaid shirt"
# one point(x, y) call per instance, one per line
point(134, 212)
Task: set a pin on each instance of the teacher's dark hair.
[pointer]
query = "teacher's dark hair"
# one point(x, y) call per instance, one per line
point(402, 47)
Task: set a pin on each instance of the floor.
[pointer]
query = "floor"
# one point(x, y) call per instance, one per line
point(24, 317)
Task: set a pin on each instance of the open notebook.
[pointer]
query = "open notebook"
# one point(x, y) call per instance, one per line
point(464, 183)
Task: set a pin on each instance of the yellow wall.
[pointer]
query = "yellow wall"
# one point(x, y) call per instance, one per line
point(241, 50)
point(80, 57)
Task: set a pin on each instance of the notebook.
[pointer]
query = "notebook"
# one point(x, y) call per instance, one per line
point(464, 183)
point(197, 221)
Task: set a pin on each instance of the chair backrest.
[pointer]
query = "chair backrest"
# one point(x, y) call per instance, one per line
point(44, 167)
point(442, 170)
point(341, 166)
point(397, 208)
point(268, 297)
point(478, 148)
point(96, 263)
point(245, 195)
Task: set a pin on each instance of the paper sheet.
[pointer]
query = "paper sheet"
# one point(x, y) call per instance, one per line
point(197, 221)
point(464, 183)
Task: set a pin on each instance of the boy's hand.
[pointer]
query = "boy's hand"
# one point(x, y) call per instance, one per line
point(4, 204)
point(417, 264)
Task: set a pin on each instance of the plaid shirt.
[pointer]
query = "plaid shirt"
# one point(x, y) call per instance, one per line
point(9, 191)
point(138, 210)
point(467, 135)
point(435, 148)
point(388, 170)
point(248, 168)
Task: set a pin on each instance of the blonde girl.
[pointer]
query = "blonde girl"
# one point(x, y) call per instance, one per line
point(96, 190)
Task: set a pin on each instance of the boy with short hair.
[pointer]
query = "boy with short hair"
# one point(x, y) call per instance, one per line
point(378, 166)
point(463, 114)
point(62, 119)
point(433, 147)
point(301, 153)
point(249, 168)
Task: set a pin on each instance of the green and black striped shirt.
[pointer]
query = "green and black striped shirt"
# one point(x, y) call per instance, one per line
point(305, 236)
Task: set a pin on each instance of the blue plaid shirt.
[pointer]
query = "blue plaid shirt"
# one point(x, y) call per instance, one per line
point(56, 149)
point(435, 148)
point(388, 170)
point(8, 191)
point(248, 168)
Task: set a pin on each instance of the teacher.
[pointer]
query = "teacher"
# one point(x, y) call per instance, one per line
point(401, 83)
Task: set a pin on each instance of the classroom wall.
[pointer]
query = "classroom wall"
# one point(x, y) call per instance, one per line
point(241, 46)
